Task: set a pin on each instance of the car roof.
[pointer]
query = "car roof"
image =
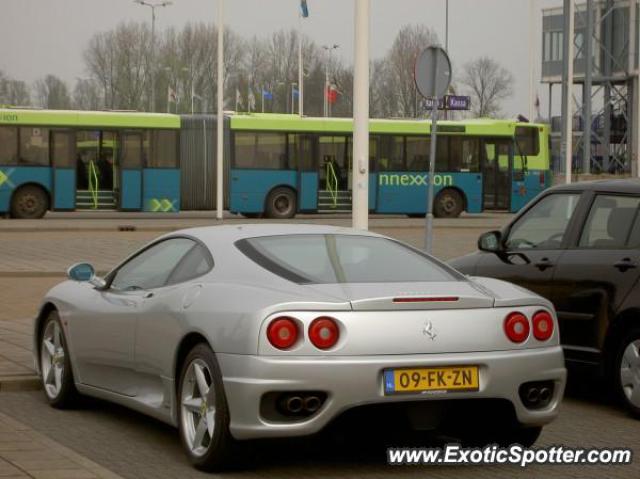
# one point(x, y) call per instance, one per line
point(624, 185)
point(230, 233)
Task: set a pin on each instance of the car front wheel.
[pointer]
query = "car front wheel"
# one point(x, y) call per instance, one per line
point(203, 411)
point(55, 364)
point(627, 371)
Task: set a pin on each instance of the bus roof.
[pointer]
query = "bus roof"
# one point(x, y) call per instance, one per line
point(97, 119)
point(279, 122)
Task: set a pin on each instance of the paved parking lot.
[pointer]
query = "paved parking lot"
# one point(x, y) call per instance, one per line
point(33, 257)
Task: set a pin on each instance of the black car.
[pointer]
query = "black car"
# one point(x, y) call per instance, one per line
point(579, 246)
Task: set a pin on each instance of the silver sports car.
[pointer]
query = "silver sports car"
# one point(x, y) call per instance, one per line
point(253, 331)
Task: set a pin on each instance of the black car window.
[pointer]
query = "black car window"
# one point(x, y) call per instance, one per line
point(195, 263)
point(544, 225)
point(609, 222)
point(151, 268)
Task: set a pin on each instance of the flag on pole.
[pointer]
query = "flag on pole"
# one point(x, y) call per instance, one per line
point(251, 100)
point(267, 95)
point(238, 99)
point(172, 96)
point(296, 93)
point(304, 9)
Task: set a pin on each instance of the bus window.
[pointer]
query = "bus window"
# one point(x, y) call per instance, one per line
point(260, 150)
point(417, 153)
point(300, 152)
point(373, 152)
point(442, 154)
point(34, 147)
point(8, 145)
point(391, 153)
point(132, 151)
point(464, 154)
point(528, 140)
point(164, 148)
point(62, 154)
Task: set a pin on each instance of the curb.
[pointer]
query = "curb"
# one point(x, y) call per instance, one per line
point(20, 383)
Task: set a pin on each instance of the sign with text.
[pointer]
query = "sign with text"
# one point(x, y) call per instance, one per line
point(450, 102)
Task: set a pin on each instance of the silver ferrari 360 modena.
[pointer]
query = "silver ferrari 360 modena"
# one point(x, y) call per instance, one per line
point(233, 333)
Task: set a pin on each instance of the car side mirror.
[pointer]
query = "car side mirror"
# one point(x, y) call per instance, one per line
point(490, 242)
point(85, 273)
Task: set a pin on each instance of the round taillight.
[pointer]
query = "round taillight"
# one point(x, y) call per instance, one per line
point(324, 332)
point(542, 325)
point(282, 332)
point(516, 327)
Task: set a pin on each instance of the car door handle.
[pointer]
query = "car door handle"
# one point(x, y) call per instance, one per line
point(148, 295)
point(625, 264)
point(543, 264)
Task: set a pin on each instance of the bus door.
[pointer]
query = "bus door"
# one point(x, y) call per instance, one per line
point(130, 194)
point(96, 169)
point(305, 150)
point(63, 158)
point(497, 159)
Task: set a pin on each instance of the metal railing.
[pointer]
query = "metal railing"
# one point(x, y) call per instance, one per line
point(93, 184)
point(332, 184)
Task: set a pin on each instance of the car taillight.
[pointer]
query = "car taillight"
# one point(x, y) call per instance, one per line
point(542, 325)
point(324, 332)
point(282, 332)
point(542, 179)
point(516, 327)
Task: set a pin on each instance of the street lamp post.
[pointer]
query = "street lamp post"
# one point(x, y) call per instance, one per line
point(329, 50)
point(220, 115)
point(153, 7)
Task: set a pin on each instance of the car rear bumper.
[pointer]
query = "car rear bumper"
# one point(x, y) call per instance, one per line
point(351, 381)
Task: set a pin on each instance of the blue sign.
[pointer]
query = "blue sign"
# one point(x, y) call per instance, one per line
point(450, 102)
point(304, 9)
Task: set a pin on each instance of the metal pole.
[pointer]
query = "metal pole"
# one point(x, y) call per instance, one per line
point(531, 60)
point(567, 88)
point(607, 68)
point(634, 66)
point(428, 242)
point(586, 92)
point(360, 206)
point(446, 27)
point(300, 70)
point(153, 51)
point(220, 116)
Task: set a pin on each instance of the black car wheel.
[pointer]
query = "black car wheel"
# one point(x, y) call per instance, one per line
point(448, 204)
point(627, 371)
point(281, 204)
point(29, 202)
point(55, 364)
point(203, 412)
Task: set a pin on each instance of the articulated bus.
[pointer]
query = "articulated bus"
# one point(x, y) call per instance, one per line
point(74, 160)
point(275, 165)
point(284, 164)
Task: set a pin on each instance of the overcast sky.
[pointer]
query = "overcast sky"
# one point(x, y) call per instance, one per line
point(48, 36)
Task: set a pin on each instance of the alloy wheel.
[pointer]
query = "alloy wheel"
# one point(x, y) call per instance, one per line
point(52, 359)
point(198, 407)
point(630, 372)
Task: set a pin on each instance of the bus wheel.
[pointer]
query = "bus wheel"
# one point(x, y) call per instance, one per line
point(448, 204)
point(281, 204)
point(29, 202)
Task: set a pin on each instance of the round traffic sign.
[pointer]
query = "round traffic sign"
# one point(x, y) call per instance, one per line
point(433, 72)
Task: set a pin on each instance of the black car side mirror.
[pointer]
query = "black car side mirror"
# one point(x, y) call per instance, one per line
point(491, 242)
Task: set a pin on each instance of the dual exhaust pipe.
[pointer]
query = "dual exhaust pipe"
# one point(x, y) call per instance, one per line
point(536, 395)
point(299, 404)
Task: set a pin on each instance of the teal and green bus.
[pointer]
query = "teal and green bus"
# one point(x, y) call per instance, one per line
point(283, 164)
point(73, 160)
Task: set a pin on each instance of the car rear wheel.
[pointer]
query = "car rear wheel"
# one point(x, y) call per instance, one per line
point(55, 364)
point(627, 371)
point(281, 204)
point(29, 202)
point(448, 204)
point(203, 411)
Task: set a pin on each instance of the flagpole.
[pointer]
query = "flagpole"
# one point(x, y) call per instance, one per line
point(300, 70)
point(220, 115)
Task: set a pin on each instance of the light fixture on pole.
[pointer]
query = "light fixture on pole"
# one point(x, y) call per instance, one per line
point(220, 115)
point(153, 6)
point(329, 49)
point(304, 13)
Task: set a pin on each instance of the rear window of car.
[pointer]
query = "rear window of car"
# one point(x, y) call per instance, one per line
point(325, 259)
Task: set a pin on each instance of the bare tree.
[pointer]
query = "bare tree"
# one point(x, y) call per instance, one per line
point(488, 83)
point(53, 93)
point(13, 92)
point(86, 95)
